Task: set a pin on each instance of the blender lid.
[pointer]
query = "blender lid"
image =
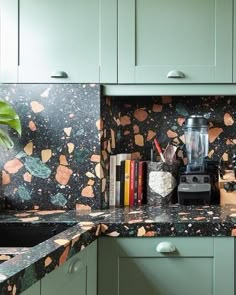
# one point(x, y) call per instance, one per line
point(196, 121)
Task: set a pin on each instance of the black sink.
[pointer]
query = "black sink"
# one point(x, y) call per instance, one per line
point(29, 234)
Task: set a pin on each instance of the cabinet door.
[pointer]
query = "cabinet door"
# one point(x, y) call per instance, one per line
point(195, 267)
point(234, 45)
point(34, 290)
point(76, 276)
point(170, 41)
point(59, 41)
point(8, 41)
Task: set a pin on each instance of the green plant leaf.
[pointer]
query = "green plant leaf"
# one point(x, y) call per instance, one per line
point(9, 117)
point(5, 140)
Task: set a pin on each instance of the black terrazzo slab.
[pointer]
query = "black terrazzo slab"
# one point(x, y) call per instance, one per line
point(56, 162)
point(24, 269)
point(131, 123)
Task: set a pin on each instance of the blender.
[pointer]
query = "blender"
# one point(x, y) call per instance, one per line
point(195, 183)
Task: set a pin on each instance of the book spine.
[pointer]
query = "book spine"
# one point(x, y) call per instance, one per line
point(122, 183)
point(142, 175)
point(144, 195)
point(132, 183)
point(140, 182)
point(119, 158)
point(112, 181)
point(136, 182)
point(127, 182)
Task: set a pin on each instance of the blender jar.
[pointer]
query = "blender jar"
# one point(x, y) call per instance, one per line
point(196, 141)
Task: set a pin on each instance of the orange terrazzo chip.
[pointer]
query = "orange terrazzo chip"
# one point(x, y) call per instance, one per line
point(32, 126)
point(47, 261)
point(63, 160)
point(95, 158)
point(6, 178)
point(46, 155)
point(150, 234)
point(63, 174)
point(233, 232)
point(87, 192)
point(150, 135)
point(141, 115)
point(13, 166)
point(36, 107)
point(125, 120)
point(228, 120)
point(27, 177)
point(139, 140)
point(166, 99)
point(157, 108)
point(64, 255)
point(214, 133)
point(62, 242)
point(171, 134)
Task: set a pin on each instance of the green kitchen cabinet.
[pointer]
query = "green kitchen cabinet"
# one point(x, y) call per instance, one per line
point(170, 41)
point(58, 41)
point(234, 45)
point(34, 290)
point(77, 276)
point(8, 41)
point(166, 266)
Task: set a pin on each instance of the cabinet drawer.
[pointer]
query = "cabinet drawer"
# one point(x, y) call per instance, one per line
point(126, 247)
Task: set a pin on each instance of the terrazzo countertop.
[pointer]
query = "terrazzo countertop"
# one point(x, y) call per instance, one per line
point(32, 264)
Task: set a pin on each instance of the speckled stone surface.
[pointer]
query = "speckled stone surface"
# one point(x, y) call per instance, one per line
point(24, 269)
point(131, 123)
point(56, 162)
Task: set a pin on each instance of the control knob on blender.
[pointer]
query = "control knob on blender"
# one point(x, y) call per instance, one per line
point(183, 179)
point(195, 179)
point(206, 179)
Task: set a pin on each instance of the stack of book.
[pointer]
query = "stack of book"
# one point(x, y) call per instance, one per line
point(127, 181)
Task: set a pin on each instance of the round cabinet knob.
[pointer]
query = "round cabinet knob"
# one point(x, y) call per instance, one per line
point(175, 74)
point(75, 266)
point(165, 247)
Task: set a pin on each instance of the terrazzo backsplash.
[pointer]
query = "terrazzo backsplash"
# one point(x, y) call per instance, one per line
point(56, 162)
point(131, 123)
point(69, 131)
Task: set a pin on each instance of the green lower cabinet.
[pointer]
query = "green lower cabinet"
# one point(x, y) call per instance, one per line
point(33, 290)
point(166, 266)
point(77, 276)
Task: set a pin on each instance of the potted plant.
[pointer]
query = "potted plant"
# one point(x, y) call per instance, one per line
point(8, 117)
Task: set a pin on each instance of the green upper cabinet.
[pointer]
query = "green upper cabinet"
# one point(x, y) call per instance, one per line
point(8, 41)
point(58, 38)
point(59, 41)
point(234, 45)
point(175, 41)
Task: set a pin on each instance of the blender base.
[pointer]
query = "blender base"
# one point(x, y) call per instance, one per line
point(194, 189)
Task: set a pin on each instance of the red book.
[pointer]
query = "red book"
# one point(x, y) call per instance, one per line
point(132, 182)
point(141, 183)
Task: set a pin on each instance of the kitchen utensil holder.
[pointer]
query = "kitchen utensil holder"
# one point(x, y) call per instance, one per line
point(161, 183)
